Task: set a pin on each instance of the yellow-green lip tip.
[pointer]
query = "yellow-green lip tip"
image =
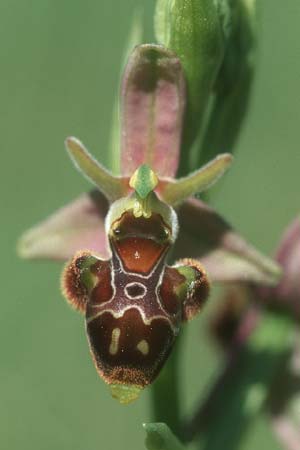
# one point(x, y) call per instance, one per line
point(125, 393)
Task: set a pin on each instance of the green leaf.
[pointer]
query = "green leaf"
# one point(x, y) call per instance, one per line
point(160, 437)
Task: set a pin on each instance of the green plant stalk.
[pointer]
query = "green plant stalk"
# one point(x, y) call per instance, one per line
point(165, 398)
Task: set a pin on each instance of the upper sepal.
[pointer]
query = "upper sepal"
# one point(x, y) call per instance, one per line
point(152, 106)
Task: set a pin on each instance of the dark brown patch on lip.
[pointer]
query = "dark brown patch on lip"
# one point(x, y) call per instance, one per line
point(128, 365)
point(103, 290)
point(171, 281)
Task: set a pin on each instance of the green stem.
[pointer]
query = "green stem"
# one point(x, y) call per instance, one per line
point(165, 392)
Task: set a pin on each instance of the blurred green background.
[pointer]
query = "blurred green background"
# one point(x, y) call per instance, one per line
point(59, 70)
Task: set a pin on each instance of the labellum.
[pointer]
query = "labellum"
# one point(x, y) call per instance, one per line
point(134, 303)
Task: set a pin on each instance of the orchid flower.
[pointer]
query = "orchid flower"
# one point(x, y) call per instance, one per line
point(119, 236)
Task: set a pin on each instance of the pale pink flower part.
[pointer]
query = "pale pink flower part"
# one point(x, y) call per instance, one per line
point(152, 107)
point(76, 226)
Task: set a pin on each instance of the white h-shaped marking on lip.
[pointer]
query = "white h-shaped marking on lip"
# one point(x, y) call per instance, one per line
point(132, 285)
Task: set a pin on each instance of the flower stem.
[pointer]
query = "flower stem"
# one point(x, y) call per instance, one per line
point(165, 392)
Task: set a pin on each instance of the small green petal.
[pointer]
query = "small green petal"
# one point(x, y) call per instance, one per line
point(175, 192)
point(112, 187)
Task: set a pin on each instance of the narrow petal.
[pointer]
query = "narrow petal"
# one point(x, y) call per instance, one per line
point(153, 97)
point(112, 187)
point(77, 226)
point(223, 252)
point(175, 192)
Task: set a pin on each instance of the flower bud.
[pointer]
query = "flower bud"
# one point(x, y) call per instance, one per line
point(234, 81)
point(192, 29)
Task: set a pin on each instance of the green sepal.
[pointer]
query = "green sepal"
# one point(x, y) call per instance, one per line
point(160, 437)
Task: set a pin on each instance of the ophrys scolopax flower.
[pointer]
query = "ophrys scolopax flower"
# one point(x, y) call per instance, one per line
point(123, 233)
